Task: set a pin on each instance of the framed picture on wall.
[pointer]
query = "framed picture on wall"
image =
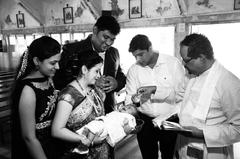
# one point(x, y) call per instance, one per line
point(236, 4)
point(135, 9)
point(68, 15)
point(20, 20)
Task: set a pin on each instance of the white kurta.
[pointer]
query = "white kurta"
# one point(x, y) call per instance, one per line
point(168, 75)
point(222, 125)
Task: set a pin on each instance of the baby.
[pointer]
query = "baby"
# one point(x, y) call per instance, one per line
point(113, 127)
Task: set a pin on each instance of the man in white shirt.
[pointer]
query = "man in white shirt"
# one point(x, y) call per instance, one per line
point(160, 79)
point(211, 104)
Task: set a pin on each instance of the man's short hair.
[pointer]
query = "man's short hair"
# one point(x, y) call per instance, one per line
point(198, 44)
point(140, 42)
point(106, 22)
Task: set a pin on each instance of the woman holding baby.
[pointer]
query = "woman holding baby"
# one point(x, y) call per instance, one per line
point(79, 103)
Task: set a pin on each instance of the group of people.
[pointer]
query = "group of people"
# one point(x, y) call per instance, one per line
point(63, 101)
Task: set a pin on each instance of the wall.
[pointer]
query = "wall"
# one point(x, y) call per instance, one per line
point(49, 13)
point(48, 16)
point(54, 12)
point(8, 11)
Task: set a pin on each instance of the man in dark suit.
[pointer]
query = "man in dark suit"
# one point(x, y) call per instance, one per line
point(113, 79)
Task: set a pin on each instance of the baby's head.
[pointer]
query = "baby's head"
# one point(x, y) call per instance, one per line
point(130, 109)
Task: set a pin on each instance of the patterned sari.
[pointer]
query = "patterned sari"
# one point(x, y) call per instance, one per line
point(85, 109)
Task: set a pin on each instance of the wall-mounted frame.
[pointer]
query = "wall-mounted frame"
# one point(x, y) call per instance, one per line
point(68, 15)
point(135, 9)
point(236, 4)
point(20, 20)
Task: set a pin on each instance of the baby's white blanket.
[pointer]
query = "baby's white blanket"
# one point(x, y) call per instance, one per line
point(110, 126)
point(114, 122)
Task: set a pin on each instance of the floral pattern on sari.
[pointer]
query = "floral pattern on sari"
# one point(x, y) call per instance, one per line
point(82, 113)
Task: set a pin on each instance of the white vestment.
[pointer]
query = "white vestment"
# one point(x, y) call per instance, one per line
point(212, 104)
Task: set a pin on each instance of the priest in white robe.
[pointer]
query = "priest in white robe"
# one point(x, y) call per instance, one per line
point(211, 104)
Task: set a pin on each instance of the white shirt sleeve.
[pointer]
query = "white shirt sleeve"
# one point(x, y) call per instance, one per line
point(131, 85)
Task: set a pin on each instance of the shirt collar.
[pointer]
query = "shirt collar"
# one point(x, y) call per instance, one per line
point(161, 60)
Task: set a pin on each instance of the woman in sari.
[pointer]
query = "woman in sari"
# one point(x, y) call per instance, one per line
point(79, 103)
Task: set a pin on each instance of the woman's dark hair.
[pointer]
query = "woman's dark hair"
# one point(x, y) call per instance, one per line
point(88, 58)
point(42, 48)
point(198, 44)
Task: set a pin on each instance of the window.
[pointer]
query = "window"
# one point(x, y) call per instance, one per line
point(86, 34)
point(65, 38)
point(78, 36)
point(38, 35)
point(29, 39)
point(21, 44)
point(56, 37)
point(12, 40)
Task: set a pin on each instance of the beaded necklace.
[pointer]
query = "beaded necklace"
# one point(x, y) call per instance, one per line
point(82, 89)
point(92, 97)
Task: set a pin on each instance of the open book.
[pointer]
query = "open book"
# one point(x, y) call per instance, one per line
point(158, 120)
point(168, 125)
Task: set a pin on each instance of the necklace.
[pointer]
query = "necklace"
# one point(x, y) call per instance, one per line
point(93, 99)
point(83, 90)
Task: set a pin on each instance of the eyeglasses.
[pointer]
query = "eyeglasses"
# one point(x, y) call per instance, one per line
point(186, 61)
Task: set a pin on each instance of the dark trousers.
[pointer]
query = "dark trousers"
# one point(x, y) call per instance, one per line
point(149, 137)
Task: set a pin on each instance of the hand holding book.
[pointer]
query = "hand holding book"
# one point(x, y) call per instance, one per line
point(168, 125)
point(188, 131)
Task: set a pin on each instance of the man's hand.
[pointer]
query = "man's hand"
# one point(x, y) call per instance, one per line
point(100, 82)
point(107, 83)
point(145, 97)
point(146, 92)
point(136, 98)
point(195, 132)
point(112, 84)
